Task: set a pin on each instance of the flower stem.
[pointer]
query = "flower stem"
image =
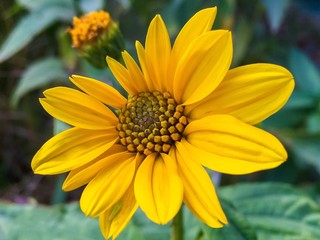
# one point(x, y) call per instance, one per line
point(177, 226)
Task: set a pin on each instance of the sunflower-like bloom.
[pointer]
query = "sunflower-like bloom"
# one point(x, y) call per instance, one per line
point(185, 111)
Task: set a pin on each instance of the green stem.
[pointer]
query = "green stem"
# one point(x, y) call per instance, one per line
point(177, 226)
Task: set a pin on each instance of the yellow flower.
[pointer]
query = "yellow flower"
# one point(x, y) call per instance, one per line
point(96, 35)
point(185, 111)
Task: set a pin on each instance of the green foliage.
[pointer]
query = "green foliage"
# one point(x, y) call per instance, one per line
point(238, 227)
point(275, 11)
point(306, 74)
point(275, 211)
point(63, 222)
point(41, 17)
point(35, 5)
point(90, 6)
point(257, 211)
point(141, 228)
point(38, 74)
point(306, 150)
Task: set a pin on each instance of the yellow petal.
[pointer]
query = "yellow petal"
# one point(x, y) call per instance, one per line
point(199, 192)
point(250, 93)
point(200, 23)
point(142, 60)
point(158, 188)
point(226, 144)
point(122, 75)
point(82, 175)
point(157, 53)
point(71, 149)
point(77, 109)
point(139, 82)
point(99, 90)
point(203, 66)
point(109, 185)
point(114, 220)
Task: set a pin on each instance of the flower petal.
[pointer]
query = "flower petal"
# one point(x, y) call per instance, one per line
point(200, 23)
point(71, 149)
point(99, 90)
point(158, 188)
point(250, 93)
point(157, 52)
point(77, 109)
point(122, 75)
point(136, 75)
point(203, 66)
point(82, 175)
point(143, 64)
point(114, 220)
point(199, 192)
point(109, 185)
point(226, 144)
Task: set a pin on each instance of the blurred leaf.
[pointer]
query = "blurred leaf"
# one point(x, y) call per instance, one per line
point(312, 6)
point(275, 11)
point(305, 72)
point(313, 124)
point(29, 222)
point(58, 195)
point(91, 5)
point(30, 26)
point(192, 226)
point(67, 54)
point(131, 232)
point(294, 112)
point(242, 36)
point(238, 227)
point(225, 16)
point(275, 211)
point(126, 4)
point(141, 228)
point(301, 100)
point(59, 126)
point(33, 5)
point(286, 118)
point(38, 75)
point(306, 149)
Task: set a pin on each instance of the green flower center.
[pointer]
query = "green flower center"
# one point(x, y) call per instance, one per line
point(151, 122)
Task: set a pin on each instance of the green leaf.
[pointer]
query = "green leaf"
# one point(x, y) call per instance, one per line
point(34, 5)
point(301, 100)
point(305, 72)
point(192, 226)
point(306, 150)
point(225, 18)
point(238, 227)
point(30, 26)
point(242, 36)
point(285, 119)
point(29, 222)
point(59, 126)
point(275, 210)
point(141, 228)
point(37, 75)
point(90, 6)
point(275, 11)
point(313, 123)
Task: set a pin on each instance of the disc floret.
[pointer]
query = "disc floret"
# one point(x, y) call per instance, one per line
point(151, 122)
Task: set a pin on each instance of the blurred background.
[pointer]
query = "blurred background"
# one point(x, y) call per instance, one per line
point(36, 53)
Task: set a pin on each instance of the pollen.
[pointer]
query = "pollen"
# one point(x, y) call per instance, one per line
point(89, 27)
point(151, 122)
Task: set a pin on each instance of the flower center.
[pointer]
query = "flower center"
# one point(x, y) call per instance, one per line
point(151, 122)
